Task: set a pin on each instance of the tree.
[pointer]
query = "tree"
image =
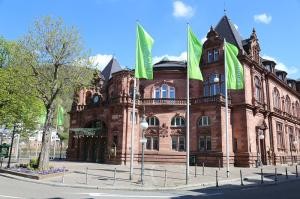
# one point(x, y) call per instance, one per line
point(18, 104)
point(59, 66)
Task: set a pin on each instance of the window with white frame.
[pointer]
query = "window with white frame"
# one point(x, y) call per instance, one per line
point(276, 98)
point(216, 54)
point(152, 121)
point(288, 104)
point(204, 121)
point(152, 143)
point(178, 121)
point(178, 143)
point(204, 143)
point(258, 89)
point(164, 91)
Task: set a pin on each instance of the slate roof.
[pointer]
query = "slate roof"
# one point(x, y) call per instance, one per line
point(166, 64)
point(226, 30)
point(112, 67)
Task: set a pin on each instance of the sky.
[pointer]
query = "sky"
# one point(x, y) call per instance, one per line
point(108, 27)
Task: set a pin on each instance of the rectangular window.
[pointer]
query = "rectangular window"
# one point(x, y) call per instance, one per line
point(155, 145)
point(216, 54)
point(205, 121)
point(208, 143)
point(148, 144)
point(279, 129)
point(201, 143)
point(209, 56)
point(157, 93)
point(205, 143)
point(174, 143)
point(172, 93)
point(181, 143)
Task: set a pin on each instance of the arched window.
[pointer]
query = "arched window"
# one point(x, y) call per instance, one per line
point(213, 87)
point(164, 91)
point(152, 121)
point(204, 121)
point(276, 98)
point(131, 89)
point(177, 121)
point(288, 104)
point(297, 110)
point(258, 89)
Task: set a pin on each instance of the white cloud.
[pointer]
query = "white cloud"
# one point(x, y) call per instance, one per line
point(236, 26)
point(203, 40)
point(263, 18)
point(181, 57)
point(291, 70)
point(182, 10)
point(99, 61)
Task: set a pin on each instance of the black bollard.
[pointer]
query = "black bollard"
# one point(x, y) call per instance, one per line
point(276, 179)
point(217, 180)
point(286, 173)
point(241, 175)
point(296, 171)
point(262, 176)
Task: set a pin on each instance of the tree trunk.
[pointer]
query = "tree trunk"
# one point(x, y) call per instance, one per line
point(45, 149)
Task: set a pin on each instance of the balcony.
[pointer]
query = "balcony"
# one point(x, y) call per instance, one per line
point(162, 101)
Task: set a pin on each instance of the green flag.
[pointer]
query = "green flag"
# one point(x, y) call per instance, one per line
point(235, 73)
point(194, 56)
point(60, 116)
point(143, 62)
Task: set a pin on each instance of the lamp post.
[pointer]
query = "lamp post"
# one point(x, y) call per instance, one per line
point(216, 80)
point(144, 126)
point(260, 136)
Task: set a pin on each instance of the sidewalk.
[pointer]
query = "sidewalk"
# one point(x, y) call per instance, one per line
point(161, 177)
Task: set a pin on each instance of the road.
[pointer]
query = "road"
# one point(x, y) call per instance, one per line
point(14, 189)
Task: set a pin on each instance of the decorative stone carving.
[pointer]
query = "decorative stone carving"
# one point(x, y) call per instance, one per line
point(177, 130)
point(151, 131)
point(163, 130)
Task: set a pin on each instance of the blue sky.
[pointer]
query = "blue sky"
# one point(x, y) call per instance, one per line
point(108, 26)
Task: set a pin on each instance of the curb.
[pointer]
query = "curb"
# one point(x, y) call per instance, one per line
point(211, 185)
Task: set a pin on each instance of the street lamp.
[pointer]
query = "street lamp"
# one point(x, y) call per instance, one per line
point(17, 127)
point(144, 126)
point(260, 136)
point(216, 80)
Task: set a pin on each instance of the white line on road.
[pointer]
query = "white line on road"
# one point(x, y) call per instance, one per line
point(4, 196)
point(125, 196)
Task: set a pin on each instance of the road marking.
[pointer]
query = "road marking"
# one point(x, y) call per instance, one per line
point(3, 196)
point(125, 196)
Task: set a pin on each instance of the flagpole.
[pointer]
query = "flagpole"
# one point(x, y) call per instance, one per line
point(187, 112)
point(226, 113)
point(132, 130)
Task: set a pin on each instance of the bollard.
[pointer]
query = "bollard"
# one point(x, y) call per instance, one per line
point(276, 179)
point(217, 180)
point(203, 168)
point(296, 171)
point(63, 176)
point(241, 175)
point(196, 170)
point(86, 175)
point(219, 164)
point(165, 182)
point(115, 173)
point(286, 173)
point(262, 176)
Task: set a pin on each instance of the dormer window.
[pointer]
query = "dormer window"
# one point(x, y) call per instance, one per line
point(209, 56)
point(216, 54)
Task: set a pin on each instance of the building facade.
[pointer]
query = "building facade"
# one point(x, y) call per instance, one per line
point(264, 117)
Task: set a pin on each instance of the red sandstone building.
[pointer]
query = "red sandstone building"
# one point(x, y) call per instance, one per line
point(264, 118)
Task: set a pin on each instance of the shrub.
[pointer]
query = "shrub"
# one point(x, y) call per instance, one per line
point(33, 163)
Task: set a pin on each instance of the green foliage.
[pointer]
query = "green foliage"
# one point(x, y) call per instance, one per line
point(33, 163)
point(18, 104)
point(55, 57)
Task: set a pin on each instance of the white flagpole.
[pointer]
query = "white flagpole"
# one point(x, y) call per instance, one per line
point(187, 112)
point(226, 113)
point(132, 130)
